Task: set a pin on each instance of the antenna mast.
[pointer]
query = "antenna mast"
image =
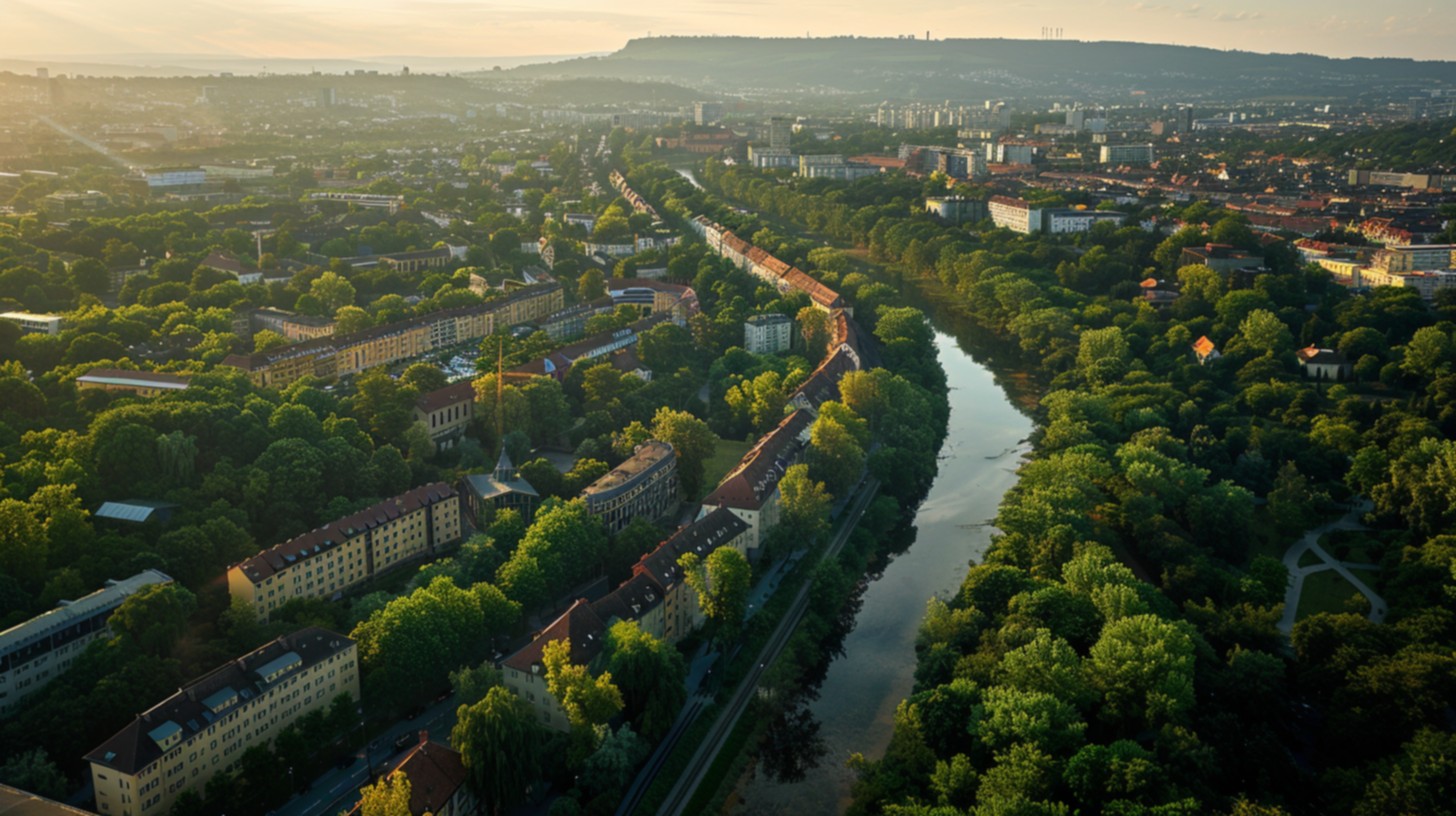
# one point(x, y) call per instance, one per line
point(500, 391)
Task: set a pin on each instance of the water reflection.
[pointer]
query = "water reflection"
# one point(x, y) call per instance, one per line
point(801, 766)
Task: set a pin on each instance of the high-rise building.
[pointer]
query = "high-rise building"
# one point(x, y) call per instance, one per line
point(327, 98)
point(780, 130)
point(707, 113)
point(768, 333)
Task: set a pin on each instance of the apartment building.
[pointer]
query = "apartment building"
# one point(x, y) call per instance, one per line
point(447, 412)
point(768, 333)
point(656, 597)
point(203, 729)
point(1415, 257)
point(1014, 214)
point(342, 355)
point(1120, 155)
point(35, 652)
point(328, 561)
point(294, 327)
point(30, 323)
point(679, 612)
point(751, 490)
point(645, 485)
point(141, 383)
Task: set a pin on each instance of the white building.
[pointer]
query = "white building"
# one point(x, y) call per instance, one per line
point(1414, 257)
point(34, 323)
point(1014, 214)
point(768, 333)
point(175, 177)
point(1126, 154)
point(36, 652)
point(1061, 222)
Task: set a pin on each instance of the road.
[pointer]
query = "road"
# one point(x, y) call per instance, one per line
point(687, 783)
point(1310, 543)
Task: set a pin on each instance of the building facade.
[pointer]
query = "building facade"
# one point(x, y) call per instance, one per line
point(437, 777)
point(344, 355)
point(36, 652)
point(1119, 155)
point(751, 490)
point(645, 485)
point(768, 333)
point(34, 323)
point(328, 561)
point(203, 729)
point(447, 412)
point(1014, 214)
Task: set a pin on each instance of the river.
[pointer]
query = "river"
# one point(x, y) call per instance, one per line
point(855, 706)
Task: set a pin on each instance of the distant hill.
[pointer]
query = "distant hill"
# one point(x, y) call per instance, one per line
point(972, 68)
point(176, 65)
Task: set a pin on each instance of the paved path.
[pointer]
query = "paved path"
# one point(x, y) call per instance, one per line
point(707, 752)
point(1310, 543)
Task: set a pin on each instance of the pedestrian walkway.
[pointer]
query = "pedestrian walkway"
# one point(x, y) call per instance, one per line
point(1310, 543)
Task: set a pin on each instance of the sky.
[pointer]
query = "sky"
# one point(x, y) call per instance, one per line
point(1421, 29)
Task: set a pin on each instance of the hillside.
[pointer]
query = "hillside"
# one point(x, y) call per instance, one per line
point(975, 68)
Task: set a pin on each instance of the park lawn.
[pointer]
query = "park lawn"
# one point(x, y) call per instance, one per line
point(1309, 559)
point(727, 454)
point(1324, 591)
point(1361, 547)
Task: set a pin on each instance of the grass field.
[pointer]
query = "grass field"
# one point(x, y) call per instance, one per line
point(724, 458)
point(1324, 591)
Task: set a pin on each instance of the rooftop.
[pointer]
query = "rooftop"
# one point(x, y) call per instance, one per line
point(759, 471)
point(647, 456)
point(579, 625)
point(198, 704)
point(143, 379)
point(453, 394)
point(282, 556)
point(701, 537)
point(46, 623)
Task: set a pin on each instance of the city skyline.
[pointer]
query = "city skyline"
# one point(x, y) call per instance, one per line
point(334, 29)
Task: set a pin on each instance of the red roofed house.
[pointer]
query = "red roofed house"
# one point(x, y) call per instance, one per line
point(437, 780)
point(751, 489)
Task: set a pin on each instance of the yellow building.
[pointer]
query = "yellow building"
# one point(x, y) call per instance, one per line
point(203, 729)
point(326, 562)
point(342, 355)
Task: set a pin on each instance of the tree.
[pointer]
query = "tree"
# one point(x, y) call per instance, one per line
point(835, 456)
point(651, 676)
point(499, 740)
point(332, 291)
point(390, 796)
point(666, 348)
point(22, 542)
point(154, 617)
point(587, 700)
point(591, 286)
point(1143, 668)
point(693, 442)
point(721, 584)
point(814, 329)
point(350, 319)
point(34, 771)
point(267, 340)
point(803, 503)
point(424, 377)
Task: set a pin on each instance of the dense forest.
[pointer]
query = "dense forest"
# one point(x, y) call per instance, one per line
point(1119, 649)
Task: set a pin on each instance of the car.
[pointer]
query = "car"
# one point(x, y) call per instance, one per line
point(404, 741)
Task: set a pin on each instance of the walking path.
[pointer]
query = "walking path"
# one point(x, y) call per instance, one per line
point(1310, 543)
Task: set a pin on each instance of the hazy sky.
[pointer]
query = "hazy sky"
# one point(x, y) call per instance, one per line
point(1423, 29)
